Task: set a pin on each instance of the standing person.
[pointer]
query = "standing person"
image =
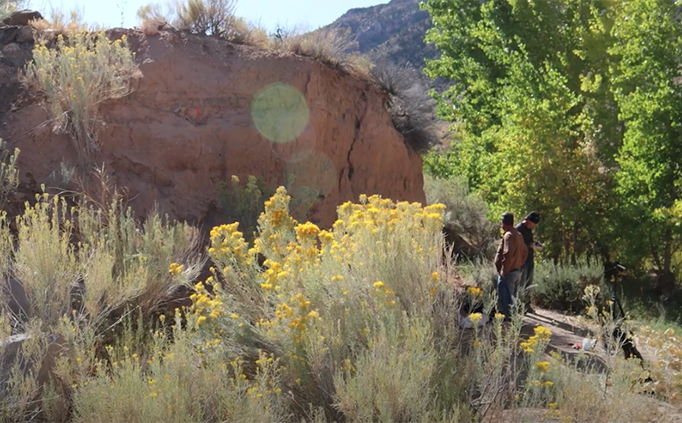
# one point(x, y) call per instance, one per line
point(525, 228)
point(510, 257)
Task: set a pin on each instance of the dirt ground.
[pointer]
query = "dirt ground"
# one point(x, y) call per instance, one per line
point(567, 331)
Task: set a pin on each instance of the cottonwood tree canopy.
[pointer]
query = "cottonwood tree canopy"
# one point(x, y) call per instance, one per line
point(571, 108)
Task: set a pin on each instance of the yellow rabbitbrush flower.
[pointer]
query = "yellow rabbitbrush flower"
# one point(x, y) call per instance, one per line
point(228, 247)
point(542, 337)
point(175, 269)
point(543, 366)
point(204, 304)
point(543, 334)
point(474, 291)
point(475, 317)
point(307, 232)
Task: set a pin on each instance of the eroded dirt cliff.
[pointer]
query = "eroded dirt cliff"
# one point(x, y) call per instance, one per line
point(206, 109)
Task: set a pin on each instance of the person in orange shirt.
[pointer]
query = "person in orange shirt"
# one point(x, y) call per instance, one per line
point(509, 260)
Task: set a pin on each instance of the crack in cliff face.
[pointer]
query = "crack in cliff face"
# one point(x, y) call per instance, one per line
point(305, 87)
point(358, 124)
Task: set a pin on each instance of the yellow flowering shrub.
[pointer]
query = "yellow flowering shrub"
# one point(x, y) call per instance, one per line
point(320, 291)
point(358, 322)
point(537, 390)
point(82, 71)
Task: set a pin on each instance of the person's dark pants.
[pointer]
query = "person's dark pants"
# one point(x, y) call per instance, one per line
point(527, 273)
point(506, 289)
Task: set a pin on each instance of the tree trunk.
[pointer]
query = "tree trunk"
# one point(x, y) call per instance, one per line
point(666, 278)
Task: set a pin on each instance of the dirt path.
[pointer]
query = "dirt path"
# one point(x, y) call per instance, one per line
point(566, 332)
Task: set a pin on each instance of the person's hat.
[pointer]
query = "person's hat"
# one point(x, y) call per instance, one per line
point(533, 217)
point(507, 218)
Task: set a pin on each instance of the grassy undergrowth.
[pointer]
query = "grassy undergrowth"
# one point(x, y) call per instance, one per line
point(357, 323)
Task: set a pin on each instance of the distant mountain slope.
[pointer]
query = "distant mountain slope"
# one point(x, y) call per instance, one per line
point(394, 32)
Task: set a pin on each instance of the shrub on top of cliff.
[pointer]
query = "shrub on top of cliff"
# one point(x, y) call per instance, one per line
point(58, 23)
point(206, 17)
point(9, 175)
point(412, 110)
point(211, 17)
point(248, 33)
point(81, 72)
point(152, 17)
point(202, 17)
point(331, 47)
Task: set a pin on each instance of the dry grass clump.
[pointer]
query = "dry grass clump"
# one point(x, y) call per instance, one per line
point(151, 27)
point(9, 174)
point(206, 18)
point(58, 23)
point(216, 17)
point(152, 17)
point(247, 33)
point(331, 47)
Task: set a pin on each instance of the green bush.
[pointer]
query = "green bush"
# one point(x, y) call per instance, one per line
point(244, 203)
point(466, 222)
point(561, 286)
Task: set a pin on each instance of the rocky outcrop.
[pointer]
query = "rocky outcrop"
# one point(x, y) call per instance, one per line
point(22, 17)
point(393, 33)
point(206, 109)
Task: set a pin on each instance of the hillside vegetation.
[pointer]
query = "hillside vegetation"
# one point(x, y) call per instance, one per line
point(391, 33)
point(107, 316)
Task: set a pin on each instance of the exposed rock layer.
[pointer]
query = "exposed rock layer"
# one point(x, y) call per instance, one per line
point(188, 126)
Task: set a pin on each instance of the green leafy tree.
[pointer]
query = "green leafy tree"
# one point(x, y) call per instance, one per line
point(572, 108)
point(648, 92)
point(533, 110)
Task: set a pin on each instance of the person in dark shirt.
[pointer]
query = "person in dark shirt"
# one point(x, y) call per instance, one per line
point(525, 228)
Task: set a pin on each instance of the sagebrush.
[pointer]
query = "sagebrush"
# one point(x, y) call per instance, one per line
point(83, 70)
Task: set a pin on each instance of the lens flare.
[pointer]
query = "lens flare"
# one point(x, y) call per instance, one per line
point(280, 112)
